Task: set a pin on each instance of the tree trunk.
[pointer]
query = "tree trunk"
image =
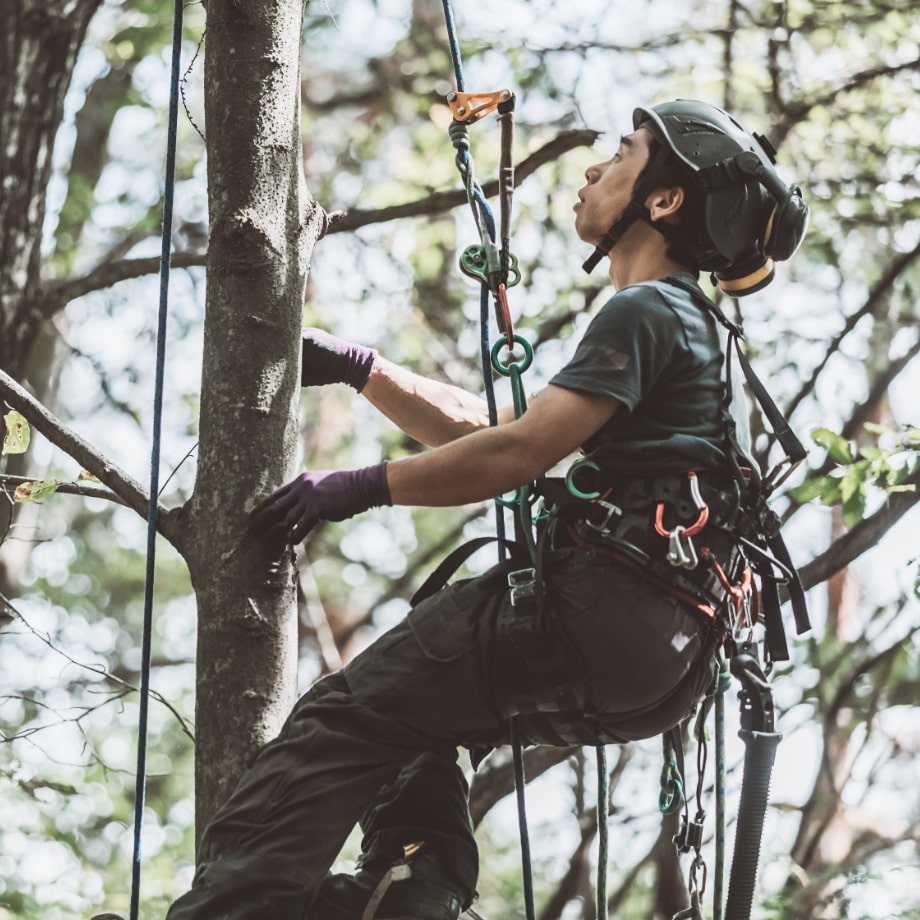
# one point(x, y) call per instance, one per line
point(263, 229)
point(39, 47)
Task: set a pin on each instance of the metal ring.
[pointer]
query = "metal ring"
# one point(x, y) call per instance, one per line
point(522, 365)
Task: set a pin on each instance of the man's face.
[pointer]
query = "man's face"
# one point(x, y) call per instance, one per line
point(610, 187)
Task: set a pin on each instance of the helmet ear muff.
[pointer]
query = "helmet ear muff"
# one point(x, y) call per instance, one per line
point(746, 276)
point(786, 225)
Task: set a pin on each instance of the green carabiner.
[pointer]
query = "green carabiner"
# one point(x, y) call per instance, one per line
point(582, 464)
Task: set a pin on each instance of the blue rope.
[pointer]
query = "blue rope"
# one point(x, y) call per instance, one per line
point(454, 44)
point(152, 507)
point(520, 785)
point(603, 830)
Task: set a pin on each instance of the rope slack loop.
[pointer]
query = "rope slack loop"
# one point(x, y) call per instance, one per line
point(169, 195)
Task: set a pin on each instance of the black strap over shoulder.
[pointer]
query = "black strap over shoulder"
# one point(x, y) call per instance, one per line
point(777, 421)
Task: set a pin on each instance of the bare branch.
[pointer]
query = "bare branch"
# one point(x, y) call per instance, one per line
point(128, 489)
point(8, 486)
point(111, 272)
point(444, 201)
point(874, 302)
point(495, 778)
point(14, 614)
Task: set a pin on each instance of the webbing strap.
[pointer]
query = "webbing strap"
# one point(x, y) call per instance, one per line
point(778, 423)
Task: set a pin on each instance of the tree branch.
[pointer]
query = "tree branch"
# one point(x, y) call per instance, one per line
point(876, 299)
point(8, 485)
point(444, 201)
point(56, 296)
point(109, 273)
point(862, 537)
point(131, 492)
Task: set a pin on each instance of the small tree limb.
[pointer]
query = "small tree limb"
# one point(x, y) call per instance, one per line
point(862, 537)
point(128, 489)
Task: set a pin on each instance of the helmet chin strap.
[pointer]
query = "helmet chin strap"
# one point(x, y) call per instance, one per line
point(634, 211)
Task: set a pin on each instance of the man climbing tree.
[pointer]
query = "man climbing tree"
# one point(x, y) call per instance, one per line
point(610, 630)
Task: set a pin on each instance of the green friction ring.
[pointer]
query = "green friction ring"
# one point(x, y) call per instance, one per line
point(520, 366)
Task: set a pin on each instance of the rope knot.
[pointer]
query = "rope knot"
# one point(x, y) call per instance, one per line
point(459, 134)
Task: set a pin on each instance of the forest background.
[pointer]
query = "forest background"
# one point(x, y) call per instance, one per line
point(83, 98)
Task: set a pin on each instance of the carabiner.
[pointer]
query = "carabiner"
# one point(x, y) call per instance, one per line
point(582, 464)
point(700, 505)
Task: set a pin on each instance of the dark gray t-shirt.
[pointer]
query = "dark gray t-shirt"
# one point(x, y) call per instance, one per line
point(661, 355)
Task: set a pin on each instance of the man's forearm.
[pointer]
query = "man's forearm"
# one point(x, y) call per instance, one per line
point(432, 412)
point(480, 466)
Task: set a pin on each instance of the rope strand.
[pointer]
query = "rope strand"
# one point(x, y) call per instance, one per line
point(146, 642)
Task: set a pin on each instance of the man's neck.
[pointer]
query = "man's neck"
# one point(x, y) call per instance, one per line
point(641, 255)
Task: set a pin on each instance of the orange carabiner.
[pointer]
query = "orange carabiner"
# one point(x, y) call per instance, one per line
point(698, 524)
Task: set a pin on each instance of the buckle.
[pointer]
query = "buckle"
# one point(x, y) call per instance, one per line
point(523, 584)
point(611, 509)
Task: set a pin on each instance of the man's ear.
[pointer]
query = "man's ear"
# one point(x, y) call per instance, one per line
point(663, 203)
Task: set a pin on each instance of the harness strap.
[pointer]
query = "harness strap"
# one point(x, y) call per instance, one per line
point(778, 423)
point(454, 559)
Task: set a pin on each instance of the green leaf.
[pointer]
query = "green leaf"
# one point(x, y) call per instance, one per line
point(36, 490)
point(854, 509)
point(837, 446)
point(809, 490)
point(18, 433)
point(851, 485)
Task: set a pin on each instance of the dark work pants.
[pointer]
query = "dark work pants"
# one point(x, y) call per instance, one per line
point(424, 688)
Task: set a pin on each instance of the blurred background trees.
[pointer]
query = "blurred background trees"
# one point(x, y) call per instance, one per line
point(83, 91)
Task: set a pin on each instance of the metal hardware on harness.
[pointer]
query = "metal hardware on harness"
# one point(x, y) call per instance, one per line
point(583, 463)
point(604, 525)
point(523, 584)
point(681, 551)
point(470, 107)
point(690, 835)
point(484, 263)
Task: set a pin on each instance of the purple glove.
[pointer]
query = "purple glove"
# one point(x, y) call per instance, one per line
point(329, 359)
point(290, 512)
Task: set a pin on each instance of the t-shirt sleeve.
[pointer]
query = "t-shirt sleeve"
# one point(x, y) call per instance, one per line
point(625, 349)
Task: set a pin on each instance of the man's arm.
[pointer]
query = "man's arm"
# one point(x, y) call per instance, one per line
point(432, 412)
point(482, 464)
point(492, 461)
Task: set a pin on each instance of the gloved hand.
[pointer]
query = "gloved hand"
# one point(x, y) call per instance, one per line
point(325, 358)
point(290, 512)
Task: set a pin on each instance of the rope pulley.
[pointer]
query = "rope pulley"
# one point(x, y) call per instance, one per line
point(470, 107)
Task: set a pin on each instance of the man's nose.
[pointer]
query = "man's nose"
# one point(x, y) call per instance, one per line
point(593, 173)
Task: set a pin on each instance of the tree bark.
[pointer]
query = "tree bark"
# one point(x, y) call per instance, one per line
point(39, 47)
point(263, 228)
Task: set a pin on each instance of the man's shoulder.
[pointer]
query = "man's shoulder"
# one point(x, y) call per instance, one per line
point(645, 303)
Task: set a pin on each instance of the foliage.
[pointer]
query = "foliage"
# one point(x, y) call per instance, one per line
point(859, 471)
